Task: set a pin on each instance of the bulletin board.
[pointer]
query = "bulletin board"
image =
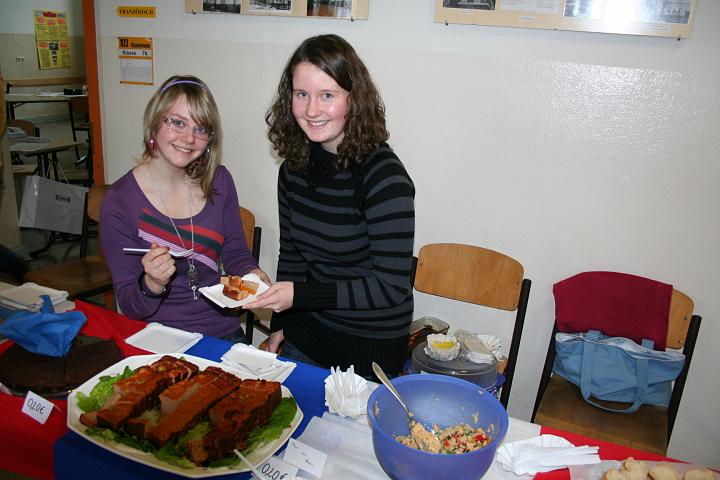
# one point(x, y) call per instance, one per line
point(340, 9)
point(664, 18)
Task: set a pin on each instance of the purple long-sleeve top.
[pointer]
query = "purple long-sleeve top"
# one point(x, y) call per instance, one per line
point(128, 219)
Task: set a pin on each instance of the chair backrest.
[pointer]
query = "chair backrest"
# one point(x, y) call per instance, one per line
point(80, 105)
point(681, 312)
point(95, 198)
point(253, 233)
point(470, 274)
point(28, 127)
point(93, 202)
point(481, 276)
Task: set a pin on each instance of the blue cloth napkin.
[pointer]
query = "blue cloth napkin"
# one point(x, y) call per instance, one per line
point(44, 332)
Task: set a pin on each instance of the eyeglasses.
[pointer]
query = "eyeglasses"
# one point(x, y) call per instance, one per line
point(179, 126)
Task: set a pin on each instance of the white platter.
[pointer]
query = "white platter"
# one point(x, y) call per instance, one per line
point(215, 293)
point(257, 457)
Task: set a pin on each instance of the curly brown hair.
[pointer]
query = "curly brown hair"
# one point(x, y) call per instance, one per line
point(364, 128)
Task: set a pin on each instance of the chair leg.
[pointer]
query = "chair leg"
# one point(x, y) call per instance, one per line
point(109, 299)
point(249, 326)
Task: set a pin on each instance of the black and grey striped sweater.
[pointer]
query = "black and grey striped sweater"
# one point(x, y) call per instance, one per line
point(346, 241)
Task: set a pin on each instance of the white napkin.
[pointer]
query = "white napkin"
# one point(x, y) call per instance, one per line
point(543, 454)
point(250, 361)
point(346, 394)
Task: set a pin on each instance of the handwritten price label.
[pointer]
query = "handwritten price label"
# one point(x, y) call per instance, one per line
point(37, 407)
point(276, 469)
point(305, 457)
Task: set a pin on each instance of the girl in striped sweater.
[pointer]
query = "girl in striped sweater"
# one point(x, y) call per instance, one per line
point(346, 206)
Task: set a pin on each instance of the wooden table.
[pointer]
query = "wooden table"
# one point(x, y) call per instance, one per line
point(46, 153)
point(13, 100)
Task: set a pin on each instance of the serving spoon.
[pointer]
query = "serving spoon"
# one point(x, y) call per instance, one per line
point(386, 381)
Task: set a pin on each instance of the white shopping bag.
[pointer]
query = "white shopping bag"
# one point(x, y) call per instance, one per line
point(52, 205)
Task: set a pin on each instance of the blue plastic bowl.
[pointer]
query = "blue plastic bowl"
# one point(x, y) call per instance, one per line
point(440, 400)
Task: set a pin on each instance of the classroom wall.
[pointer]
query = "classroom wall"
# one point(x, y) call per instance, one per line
point(17, 39)
point(569, 151)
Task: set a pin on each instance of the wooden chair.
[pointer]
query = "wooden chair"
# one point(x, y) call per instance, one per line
point(477, 275)
point(253, 234)
point(87, 276)
point(25, 125)
point(559, 403)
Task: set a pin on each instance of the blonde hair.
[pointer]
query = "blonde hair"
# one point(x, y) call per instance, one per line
point(203, 111)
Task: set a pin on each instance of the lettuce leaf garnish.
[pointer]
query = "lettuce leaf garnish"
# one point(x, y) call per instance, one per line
point(101, 392)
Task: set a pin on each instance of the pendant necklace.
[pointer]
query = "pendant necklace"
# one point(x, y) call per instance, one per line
point(192, 271)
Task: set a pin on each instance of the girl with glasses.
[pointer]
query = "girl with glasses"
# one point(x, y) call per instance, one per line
point(178, 200)
point(347, 219)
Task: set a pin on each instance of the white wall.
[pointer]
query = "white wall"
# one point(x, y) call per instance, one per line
point(569, 151)
point(17, 17)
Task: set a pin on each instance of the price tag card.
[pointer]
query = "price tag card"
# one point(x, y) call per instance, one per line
point(305, 457)
point(37, 407)
point(275, 468)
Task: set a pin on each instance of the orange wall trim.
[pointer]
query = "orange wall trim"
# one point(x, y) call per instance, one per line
point(93, 83)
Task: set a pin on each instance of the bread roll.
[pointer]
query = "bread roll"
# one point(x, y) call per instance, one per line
point(699, 474)
point(664, 472)
point(635, 469)
point(613, 474)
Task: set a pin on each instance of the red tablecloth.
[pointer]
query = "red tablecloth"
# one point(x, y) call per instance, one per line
point(607, 451)
point(32, 453)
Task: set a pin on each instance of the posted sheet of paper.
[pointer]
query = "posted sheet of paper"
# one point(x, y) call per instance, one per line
point(136, 60)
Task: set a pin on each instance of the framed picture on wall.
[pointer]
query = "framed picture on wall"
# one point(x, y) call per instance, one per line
point(666, 18)
point(334, 9)
point(267, 7)
point(220, 6)
point(340, 9)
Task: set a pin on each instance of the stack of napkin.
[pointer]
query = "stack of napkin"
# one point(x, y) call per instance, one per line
point(249, 361)
point(543, 454)
point(346, 393)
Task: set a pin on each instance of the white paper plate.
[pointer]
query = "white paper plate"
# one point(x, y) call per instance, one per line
point(506, 452)
point(27, 296)
point(257, 457)
point(158, 338)
point(215, 293)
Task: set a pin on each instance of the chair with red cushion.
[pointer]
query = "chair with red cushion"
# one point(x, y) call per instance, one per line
point(619, 305)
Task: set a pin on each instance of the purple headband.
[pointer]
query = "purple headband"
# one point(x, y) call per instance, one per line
point(177, 82)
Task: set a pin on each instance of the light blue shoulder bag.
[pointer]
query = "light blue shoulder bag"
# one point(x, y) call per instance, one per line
point(616, 369)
